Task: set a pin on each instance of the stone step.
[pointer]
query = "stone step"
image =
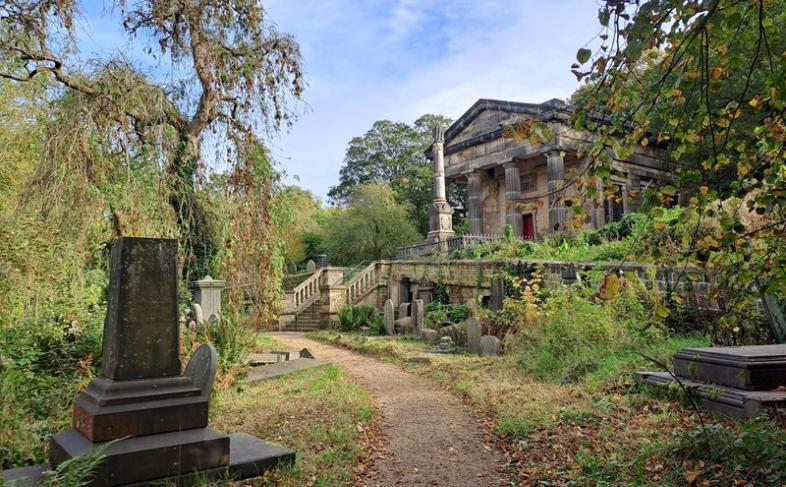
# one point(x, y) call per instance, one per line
point(753, 368)
point(729, 401)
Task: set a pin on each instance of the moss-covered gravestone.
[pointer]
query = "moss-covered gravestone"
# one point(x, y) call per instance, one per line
point(156, 416)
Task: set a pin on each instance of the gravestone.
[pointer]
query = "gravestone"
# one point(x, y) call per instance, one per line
point(403, 310)
point(291, 268)
point(489, 346)
point(455, 332)
point(207, 293)
point(202, 368)
point(474, 333)
point(418, 313)
point(323, 260)
point(388, 318)
point(157, 416)
point(195, 313)
point(497, 293)
point(311, 267)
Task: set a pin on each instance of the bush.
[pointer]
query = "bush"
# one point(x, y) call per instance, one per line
point(574, 336)
point(232, 340)
point(353, 317)
point(438, 313)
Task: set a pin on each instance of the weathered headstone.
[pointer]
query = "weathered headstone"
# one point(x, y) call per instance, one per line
point(195, 313)
point(207, 293)
point(489, 346)
point(322, 260)
point(158, 416)
point(389, 318)
point(497, 293)
point(202, 367)
point(418, 314)
point(291, 268)
point(404, 325)
point(474, 333)
point(311, 266)
point(403, 310)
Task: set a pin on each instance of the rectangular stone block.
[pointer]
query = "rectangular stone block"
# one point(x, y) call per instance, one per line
point(145, 458)
point(141, 336)
point(757, 367)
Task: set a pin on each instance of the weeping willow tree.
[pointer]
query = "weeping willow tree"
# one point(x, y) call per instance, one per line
point(234, 81)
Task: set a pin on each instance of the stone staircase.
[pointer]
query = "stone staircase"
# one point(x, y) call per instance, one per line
point(363, 283)
point(301, 310)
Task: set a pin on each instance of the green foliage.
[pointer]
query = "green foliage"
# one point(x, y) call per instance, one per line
point(576, 337)
point(371, 228)
point(755, 452)
point(353, 317)
point(392, 153)
point(232, 339)
point(438, 313)
point(705, 81)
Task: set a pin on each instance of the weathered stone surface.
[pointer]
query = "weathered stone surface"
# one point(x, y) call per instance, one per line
point(430, 336)
point(497, 293)
point(474, 332)
point(306, 353)
point(195, 313)
point(141, 336)
point(388, 318)
point(455, 332)
point(207, 293)
point(146, 457)
point(418, 314)
point(404, 325)
point(267, 372)
point(403, 310)
point(311, 266)
point(489, 346)
point(291, 268)
point(756, 367)
point(202, 368)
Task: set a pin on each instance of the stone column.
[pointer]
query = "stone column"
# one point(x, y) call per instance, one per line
point(558, 214)
point(475, 202)
point(512, 194)
point(440, 213)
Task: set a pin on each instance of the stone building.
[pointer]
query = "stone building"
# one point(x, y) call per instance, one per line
point(512, 181)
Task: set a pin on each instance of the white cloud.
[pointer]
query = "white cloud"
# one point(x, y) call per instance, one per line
point(398, 60)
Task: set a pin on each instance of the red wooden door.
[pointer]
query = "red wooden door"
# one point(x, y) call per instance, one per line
point(529, 226)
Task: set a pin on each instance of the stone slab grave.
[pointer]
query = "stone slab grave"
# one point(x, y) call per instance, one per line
point(266, 366)
point(736, 381)
point(155, 416)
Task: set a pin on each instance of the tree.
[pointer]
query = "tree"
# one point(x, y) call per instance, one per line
point(393, 153)
point(706, 79)
point(306, 215)
point(233, 73)
point(372, 227)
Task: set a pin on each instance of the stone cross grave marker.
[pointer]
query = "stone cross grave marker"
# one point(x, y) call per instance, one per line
point(388, 317)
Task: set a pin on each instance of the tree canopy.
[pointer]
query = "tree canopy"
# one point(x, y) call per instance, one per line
point(706, 81)
point(232, 77)
point(393, 153)
point(372, 227)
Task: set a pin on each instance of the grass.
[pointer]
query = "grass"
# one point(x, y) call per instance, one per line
point(320, 413)
point(603, 430)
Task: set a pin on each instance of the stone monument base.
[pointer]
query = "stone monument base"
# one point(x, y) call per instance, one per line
point(248, 457)
point(740, 382)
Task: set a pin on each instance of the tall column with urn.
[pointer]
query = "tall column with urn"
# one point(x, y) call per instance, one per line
point(440, 213)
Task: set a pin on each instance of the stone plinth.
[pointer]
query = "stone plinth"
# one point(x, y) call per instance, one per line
point(207, 293)
point(759, 367)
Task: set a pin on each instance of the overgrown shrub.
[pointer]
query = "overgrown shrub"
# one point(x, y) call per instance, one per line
point(438, 313)
point(353, 317)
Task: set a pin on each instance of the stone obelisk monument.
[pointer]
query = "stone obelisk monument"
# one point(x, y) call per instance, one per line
point(440, 213)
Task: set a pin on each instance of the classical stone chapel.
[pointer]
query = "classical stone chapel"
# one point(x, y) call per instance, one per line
point(512, 181)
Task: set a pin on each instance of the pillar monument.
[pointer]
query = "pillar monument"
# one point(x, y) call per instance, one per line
point(440, 213)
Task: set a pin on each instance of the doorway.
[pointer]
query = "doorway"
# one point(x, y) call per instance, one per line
point(528, 229)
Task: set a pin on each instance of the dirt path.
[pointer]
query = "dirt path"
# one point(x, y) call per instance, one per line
point(432, 438)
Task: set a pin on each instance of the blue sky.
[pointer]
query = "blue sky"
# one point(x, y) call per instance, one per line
point(367, 60)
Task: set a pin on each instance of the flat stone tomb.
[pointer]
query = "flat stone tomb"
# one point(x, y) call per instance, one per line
point(754, 368)
point(156, 416)
point(736, 381)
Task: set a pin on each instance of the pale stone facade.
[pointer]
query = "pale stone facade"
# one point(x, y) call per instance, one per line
point(512, 181)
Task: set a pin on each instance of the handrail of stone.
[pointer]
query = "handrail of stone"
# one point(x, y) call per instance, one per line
point(362, 282)
point(424, 249)
point(307, 291)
